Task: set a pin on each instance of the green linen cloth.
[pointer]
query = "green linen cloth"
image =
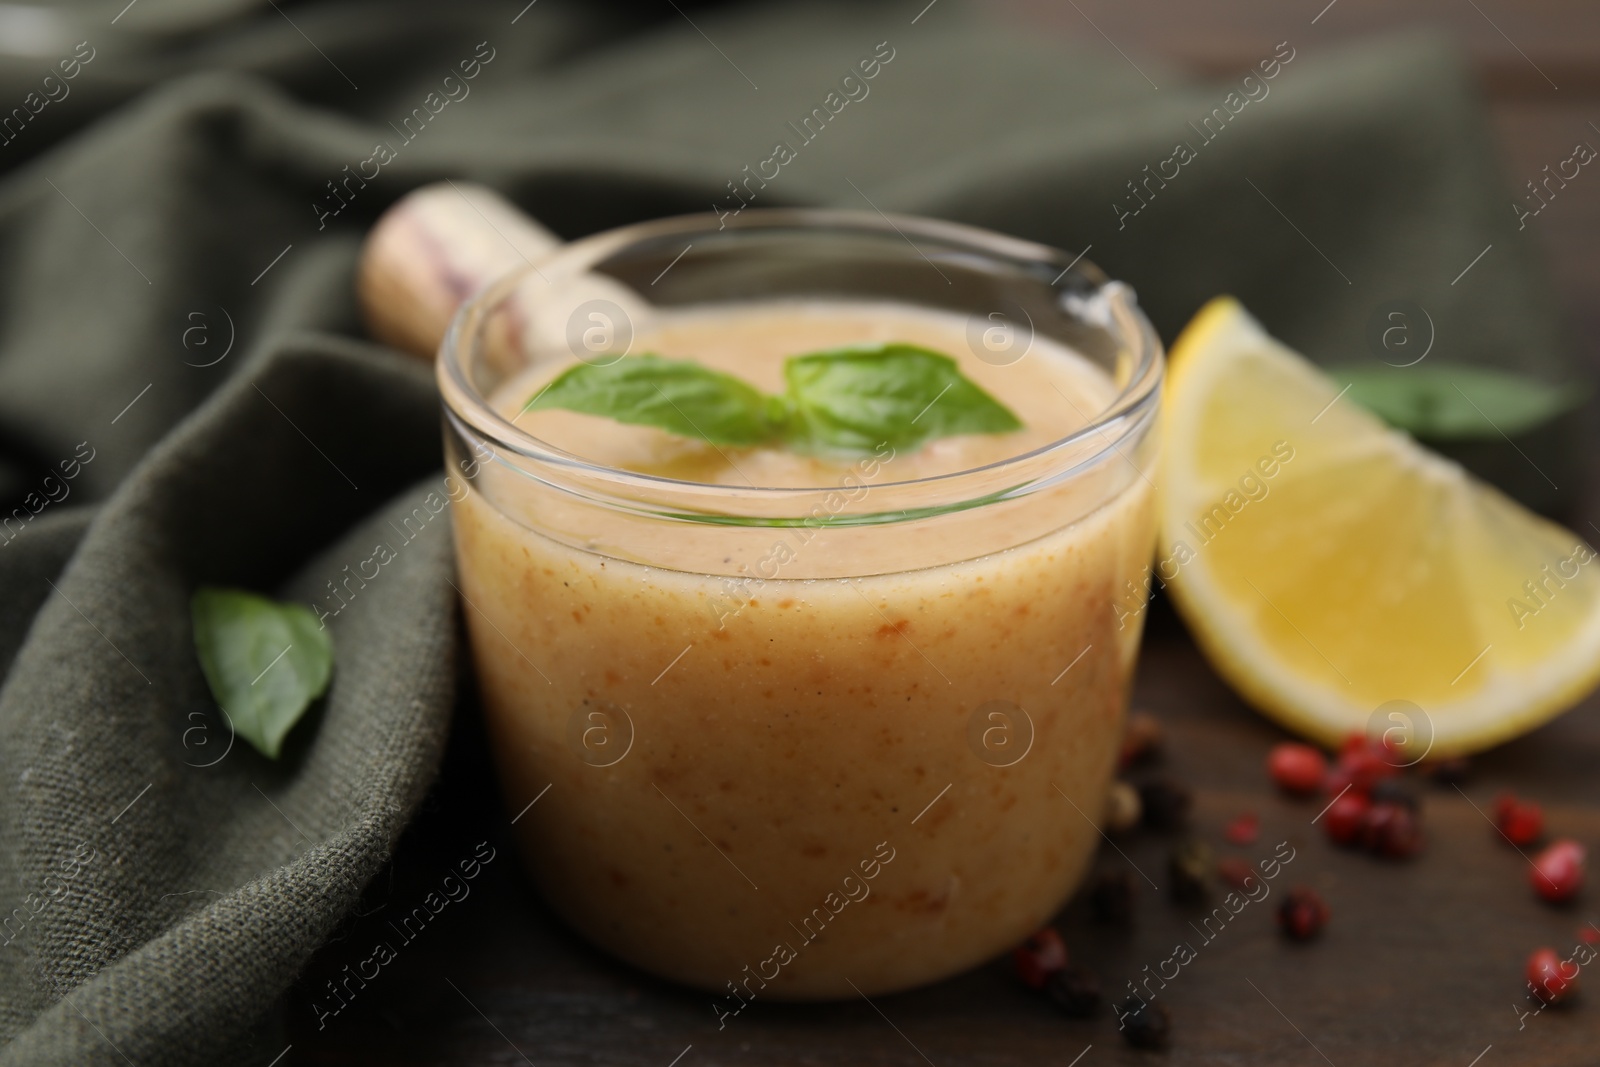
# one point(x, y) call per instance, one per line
point(185, 397)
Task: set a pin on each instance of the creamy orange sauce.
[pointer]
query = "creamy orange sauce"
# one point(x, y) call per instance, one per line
point(1052, 390)
point(776, 727)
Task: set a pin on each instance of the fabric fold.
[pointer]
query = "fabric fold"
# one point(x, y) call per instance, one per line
point(168, 878)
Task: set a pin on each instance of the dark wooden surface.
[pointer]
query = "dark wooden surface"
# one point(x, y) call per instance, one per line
point(1421, 963)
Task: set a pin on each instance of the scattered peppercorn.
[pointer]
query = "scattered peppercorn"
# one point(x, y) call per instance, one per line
point(1362, 763)
point(1244, 830)
point(1303, 914)
point(1344, 818)
point(1354, 741)
point(1337, 781)
point(1520, 821)
point(1111, 897)
point(1297, 768)
point(1076, 991)
point(1589, 935)
point(1165, 803)
point(1557, 873)
point(1144, 1025)
point(1189, 866)
point(1142, 739)
point(1123, 808)
point(1395, 791)
point(1237, 873)
point(1451, 771)
point(1391, 830)
point(1548, 976)
point(1039, 957)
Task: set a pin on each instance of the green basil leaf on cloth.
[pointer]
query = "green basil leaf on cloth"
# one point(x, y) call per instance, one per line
point(266, 662)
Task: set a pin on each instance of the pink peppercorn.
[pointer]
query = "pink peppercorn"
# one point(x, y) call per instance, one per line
point(1521, 821)
point(1244, 830)
point(1557, 873)
point(1039, 957)
point(1296, 768)
point(1551, 978)
point(1344, 818)
point(1303, 914)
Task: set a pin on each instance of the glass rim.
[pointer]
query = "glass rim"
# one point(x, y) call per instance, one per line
point(1129, 410)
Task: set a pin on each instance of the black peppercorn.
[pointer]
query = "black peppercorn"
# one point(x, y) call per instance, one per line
point(1111, 897)
point(1165, 803)
point(1076, 991)
point(1144, 1025)
point(1394, 791)
point(1448, 771)
point(1188, 868)
point(1142, 739)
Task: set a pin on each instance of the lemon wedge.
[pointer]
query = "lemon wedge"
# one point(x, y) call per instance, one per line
point(1333, 570)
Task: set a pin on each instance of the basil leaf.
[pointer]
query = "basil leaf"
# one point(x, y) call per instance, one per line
point(842, 399)
point(676, 395)
point(860, 397)
point(1444, 403)
point(265, 662)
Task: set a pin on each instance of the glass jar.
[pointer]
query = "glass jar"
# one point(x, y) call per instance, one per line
point(789, 742)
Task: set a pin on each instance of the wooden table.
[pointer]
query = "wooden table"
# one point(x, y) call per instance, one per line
point(1422, 961)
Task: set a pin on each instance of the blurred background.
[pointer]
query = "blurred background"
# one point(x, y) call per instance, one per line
point(1537, 61)
point(1376, 152)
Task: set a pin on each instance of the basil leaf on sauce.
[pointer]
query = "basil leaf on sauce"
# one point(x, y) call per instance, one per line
point(853, 399)
point(676, 395)
point(839, 400)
